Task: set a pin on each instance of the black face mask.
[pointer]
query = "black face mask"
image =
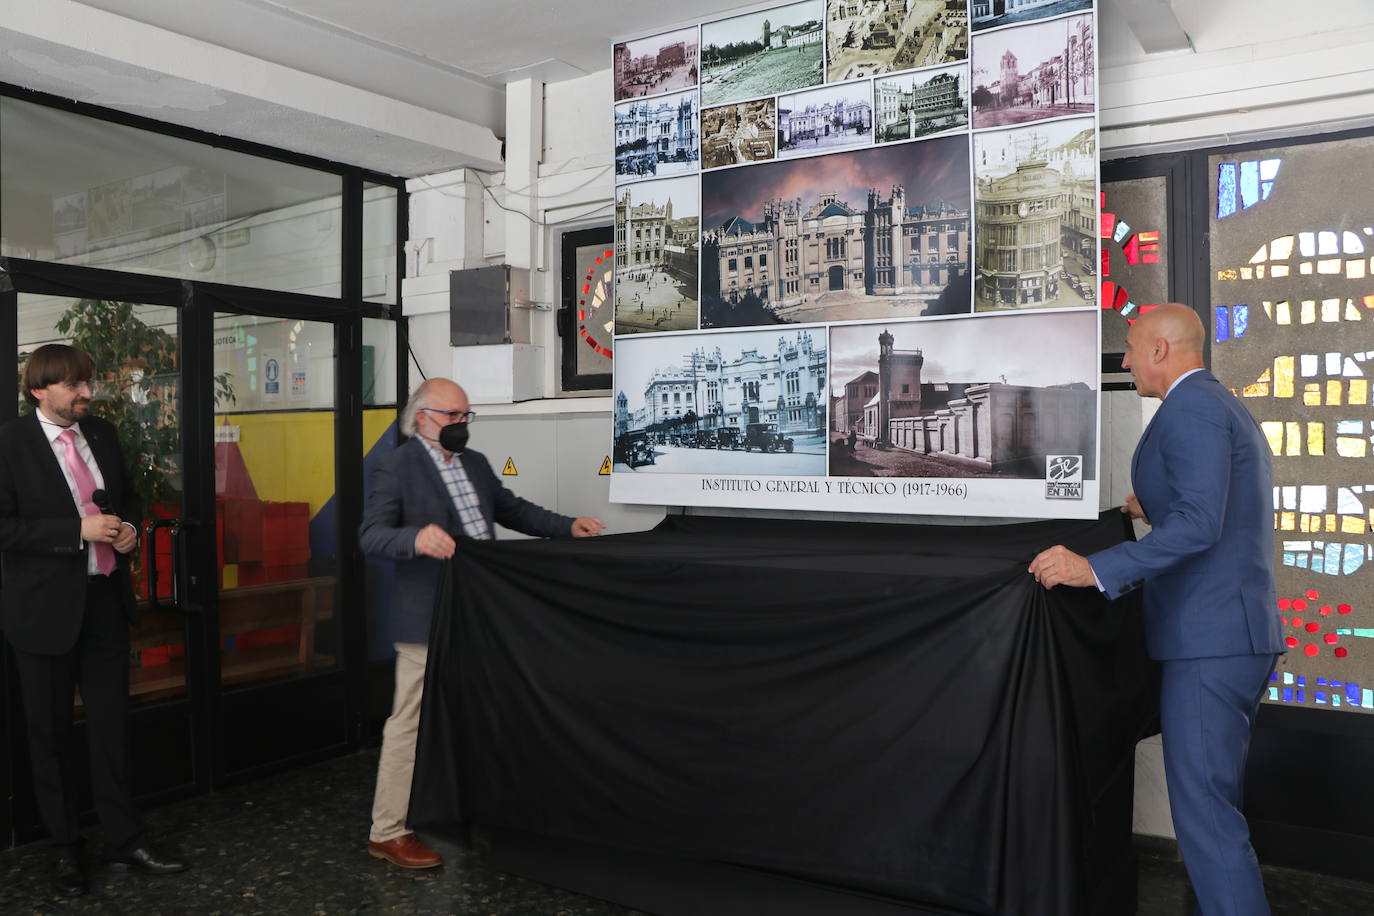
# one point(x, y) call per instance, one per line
point(454, 437)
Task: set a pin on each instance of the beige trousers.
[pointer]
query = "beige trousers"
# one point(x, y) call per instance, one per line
point(391, 803)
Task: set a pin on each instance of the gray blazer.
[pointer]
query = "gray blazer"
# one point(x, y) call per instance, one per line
point(407, 494)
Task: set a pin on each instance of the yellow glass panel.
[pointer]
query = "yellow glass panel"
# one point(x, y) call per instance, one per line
point(1273, 431)
point(1331, 522)
point(1355, 270)
point(1329, 266)
point(1312, 394)
point(1269, 308)
point(1351, 312)
point(1305, 268)
point(1352, 524)
point(1331, 310)
point(1278, 270)
point(1288, 521)
point(1283, 377)
point(1316, 438)
point(1333, 392)
point(1283, 314)
point(1309, 311)
point(1259, 272)
point(1247, 273)
point(1359, 391)
point(1260, 256)
point(1226, 275)
point(1256, 391)
point(1292, 438)
point(1347, 447)
point(1281, 249)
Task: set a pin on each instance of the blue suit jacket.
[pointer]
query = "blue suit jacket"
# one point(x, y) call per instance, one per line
point(1203, 476)
point(407, 494)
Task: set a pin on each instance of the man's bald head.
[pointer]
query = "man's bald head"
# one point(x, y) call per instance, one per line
point(435, 393)
point(1163, 343)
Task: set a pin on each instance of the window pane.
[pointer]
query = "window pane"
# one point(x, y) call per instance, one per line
point(274, 497)
point(136, 387)
point(379, 243)
point(78, 190)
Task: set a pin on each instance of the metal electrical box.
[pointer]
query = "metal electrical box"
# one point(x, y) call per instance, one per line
point(479, 306)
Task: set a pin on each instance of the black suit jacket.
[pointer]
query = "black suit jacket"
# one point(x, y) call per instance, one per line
point(42, 557)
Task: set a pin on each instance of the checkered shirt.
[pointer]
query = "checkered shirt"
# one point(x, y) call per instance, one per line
point(464, 496)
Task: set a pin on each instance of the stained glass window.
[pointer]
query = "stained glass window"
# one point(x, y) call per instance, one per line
point(1293, 336)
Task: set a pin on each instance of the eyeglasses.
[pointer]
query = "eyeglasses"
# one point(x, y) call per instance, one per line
point(454, 416)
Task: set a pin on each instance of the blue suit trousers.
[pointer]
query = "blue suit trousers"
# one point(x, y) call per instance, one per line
point(1207, 710)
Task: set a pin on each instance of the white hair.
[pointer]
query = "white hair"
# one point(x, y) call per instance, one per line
point(419, 398)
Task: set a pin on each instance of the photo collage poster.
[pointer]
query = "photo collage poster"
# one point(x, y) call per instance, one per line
point(856, 259)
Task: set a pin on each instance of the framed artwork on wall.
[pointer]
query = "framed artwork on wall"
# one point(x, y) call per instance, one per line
point(587, 313)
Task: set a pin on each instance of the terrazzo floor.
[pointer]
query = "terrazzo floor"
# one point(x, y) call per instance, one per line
point(295, 844)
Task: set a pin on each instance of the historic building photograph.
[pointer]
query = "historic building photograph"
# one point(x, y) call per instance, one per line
point(650, 66)
point(738, 403)
point(763, 53)
point(963, 397)
point(657, 231)
point(1045, 70)
point(990, 13)
point(744, 132)
point(871, 233)
point(656, 138)
point(924, 104)
point(825, 120)
point(1035, 210)
point(868, 37)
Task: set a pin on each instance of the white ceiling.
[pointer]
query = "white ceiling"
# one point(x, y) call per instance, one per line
point(454, 57)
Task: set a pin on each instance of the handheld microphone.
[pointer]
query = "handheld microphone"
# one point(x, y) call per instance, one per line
point(102, 502)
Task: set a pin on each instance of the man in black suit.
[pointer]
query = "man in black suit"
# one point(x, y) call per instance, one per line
point(67, 602)
point(426, 497)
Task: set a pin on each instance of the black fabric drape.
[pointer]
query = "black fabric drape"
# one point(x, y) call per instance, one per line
point(894, 709)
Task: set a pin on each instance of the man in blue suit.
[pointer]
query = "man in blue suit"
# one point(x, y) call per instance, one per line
point(427, 497)
point(1203, 479)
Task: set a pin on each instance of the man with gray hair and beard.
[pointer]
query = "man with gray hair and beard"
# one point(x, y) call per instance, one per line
point(427, 497)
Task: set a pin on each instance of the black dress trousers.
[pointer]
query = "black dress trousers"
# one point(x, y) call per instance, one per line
point(99, 663)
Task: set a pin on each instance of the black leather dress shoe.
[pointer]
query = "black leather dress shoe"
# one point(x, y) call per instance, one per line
point(67, 877)
point(146, 860)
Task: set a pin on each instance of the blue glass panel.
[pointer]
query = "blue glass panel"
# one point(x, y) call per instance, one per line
point(1354, 557)
point(1240, 320)
point(1302, 696)
point(1249, 183)
point(1302, 681)
point(1222, 323)
point(1288, 694)
point(1266, 188)
point(1226, 189)
point(1320, 697)
point(1352, 694)
point(1349, 427)
point(1273, 693)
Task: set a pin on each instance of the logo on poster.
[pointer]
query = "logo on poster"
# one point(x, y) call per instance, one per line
point(1064, 477)
point(271, 373)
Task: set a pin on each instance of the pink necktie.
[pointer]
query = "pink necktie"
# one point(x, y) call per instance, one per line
point(85, 486)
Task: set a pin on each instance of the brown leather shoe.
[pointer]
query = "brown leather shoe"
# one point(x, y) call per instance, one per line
point(406, 851)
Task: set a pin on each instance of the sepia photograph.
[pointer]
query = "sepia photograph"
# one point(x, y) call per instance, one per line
point(1034, 72)
point(732, 134)
point(869, 37)
point(825, 120)
point(871, 233)
point(763, 53)
point(743, 403)
point(989, 14)
point(651, 66)
point(964, 397)
point(656, 138)
point(924, 104)
point(657, 228)
point(1035, 204)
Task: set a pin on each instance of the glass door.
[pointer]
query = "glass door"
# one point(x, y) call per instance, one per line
point(276, 531)
point(137, 387)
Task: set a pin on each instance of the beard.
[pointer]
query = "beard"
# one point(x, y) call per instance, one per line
point(76, 410)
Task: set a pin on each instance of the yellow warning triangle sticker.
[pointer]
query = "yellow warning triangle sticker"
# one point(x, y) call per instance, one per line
point(605, 466)
point(509, 470)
